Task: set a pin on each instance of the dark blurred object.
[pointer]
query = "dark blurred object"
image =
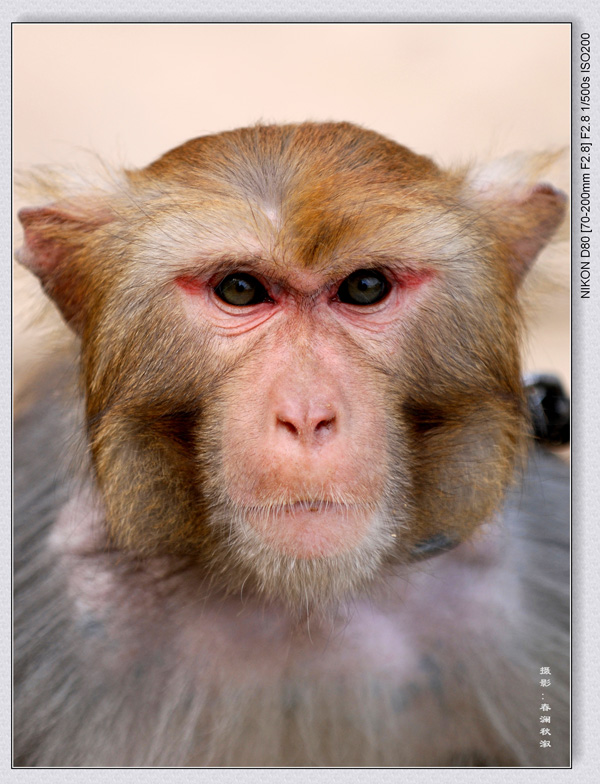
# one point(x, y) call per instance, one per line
point(549, 408)
point(440, 543)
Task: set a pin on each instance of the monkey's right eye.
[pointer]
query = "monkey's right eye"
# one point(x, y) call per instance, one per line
point(241, 289)
point(363, 287)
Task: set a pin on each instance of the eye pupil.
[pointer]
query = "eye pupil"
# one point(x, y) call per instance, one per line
point(241, 289)
point(363, 287)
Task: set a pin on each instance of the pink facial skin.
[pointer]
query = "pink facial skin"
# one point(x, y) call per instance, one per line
point(304, 462)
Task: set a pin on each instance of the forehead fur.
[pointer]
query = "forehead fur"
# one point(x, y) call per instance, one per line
point(314, 185)
point(267, 161)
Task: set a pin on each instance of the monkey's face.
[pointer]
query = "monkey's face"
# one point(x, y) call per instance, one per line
point(327, 450)
point(300, 435)
point(300, 358)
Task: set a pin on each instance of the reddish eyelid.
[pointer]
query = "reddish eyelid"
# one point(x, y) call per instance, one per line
point(412, 278)
point(190, 284)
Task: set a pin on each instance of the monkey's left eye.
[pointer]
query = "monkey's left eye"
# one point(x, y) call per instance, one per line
point(241, 289)
point(363, 287)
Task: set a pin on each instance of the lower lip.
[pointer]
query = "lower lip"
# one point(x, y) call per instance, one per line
point(311, 529)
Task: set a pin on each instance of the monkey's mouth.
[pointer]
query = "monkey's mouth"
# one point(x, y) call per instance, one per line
point(311, 528)
point(313, 506)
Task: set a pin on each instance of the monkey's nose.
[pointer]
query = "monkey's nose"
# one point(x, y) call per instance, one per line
point(312, 422)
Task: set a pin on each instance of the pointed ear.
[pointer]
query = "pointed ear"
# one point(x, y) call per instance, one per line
point(55, 238)
point(524, 216)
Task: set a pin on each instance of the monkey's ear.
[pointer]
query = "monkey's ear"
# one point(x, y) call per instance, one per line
point(523, 215)
point(54, 237)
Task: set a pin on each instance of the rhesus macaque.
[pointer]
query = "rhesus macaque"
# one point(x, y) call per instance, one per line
point(298, 381)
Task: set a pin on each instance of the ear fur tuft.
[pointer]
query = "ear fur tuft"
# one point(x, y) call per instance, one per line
point(524, 214)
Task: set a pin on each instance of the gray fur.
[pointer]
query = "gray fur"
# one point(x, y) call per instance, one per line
point(471, 702)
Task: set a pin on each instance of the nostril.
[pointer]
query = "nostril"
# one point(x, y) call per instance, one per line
point(287, 425)
point(325, 424)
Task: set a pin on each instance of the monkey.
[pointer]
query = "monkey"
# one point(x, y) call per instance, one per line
point(281, 504)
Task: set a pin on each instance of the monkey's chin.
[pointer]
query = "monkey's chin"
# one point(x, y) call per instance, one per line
point(306, 555)
point(311, 529)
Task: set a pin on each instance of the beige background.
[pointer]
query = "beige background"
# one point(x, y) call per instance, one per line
point(454, 92)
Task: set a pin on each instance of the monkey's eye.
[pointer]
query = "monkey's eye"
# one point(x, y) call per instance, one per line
point(241, 289)
point(363, 287)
